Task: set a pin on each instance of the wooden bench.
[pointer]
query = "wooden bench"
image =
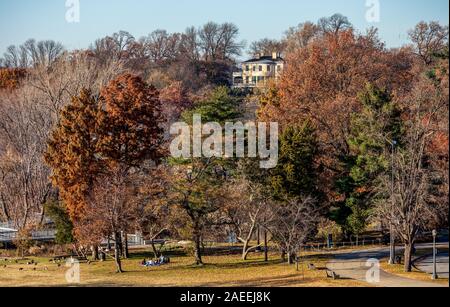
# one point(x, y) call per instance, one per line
point(332, 274)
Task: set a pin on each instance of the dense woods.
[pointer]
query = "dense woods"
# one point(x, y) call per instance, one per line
point(85, 134)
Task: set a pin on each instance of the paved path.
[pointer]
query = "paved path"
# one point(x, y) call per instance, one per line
point(354, 265)
point(426, 265)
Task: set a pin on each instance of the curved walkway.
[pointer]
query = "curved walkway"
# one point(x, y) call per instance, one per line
point(355, 265)
point(426, 265)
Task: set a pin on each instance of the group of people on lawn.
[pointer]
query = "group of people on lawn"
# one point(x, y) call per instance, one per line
point(151, 263)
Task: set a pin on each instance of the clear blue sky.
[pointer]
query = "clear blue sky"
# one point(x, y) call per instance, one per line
point(45, 19)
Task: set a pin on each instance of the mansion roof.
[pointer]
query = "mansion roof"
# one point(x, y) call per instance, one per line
point(264, 60)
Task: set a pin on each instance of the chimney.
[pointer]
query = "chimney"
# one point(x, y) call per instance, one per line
point(274, 55)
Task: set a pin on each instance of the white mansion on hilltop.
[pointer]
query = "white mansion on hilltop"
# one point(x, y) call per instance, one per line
point(258, 71)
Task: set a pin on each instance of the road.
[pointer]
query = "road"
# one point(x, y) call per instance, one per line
point(355, 265)
point(426, 265)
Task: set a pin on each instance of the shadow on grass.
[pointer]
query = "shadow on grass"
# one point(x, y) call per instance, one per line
point(279, 281)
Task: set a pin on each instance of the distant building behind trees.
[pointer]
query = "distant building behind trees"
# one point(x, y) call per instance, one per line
point(258, 71)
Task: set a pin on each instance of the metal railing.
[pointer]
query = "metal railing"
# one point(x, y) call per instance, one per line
point(38, 235)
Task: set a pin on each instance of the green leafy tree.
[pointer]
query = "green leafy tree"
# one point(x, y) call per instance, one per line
point(196, 183)
point(220, 106)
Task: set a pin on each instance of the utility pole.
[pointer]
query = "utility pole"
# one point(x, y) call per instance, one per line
point(435, 275)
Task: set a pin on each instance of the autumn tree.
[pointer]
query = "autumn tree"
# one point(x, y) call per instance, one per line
point(10, 78)
point(300, 36)
point(111, 207)
point(118, 130)
point(321, 84)
point(130, 126)
point(72, 152)
point(130, 122)
point(174, 101)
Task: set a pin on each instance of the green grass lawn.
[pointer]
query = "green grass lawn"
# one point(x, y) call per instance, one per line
point(219, 271)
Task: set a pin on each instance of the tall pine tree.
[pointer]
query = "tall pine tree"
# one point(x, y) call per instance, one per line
point(374, 131)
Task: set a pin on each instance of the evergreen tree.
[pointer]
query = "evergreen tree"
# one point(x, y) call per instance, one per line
point(64, 226)
point(373, 133)
point(220, 106)
point(295, 174)
point(196, 182)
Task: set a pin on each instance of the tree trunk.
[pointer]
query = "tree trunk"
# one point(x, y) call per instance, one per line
point(118, 243)
point(197, 245)
point(117, 253)
point(95, 253)
point(291, 258)
point(408, 257)
point(155, 251)
point(283, 255)
point(266, 248)
point(258, 239)
point(126, 253)
point(245, 250)
point(102, 256)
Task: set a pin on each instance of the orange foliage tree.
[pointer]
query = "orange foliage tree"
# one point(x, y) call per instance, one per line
point(10, 78)
point(321, 83)
point(95, 136)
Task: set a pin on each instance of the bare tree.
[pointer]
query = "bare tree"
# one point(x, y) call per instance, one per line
point(294, 222)
point(300, 36)
point(407, 198)
point(32, 54)
point(334, 24)
point(189, 45)
point(219, 41)
point(112, 207)
point(246, 210)
point(162, 46)
point(429, 39)
point(68, 75)
point(114, 47)
point(266, 46)
point(24, 184)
